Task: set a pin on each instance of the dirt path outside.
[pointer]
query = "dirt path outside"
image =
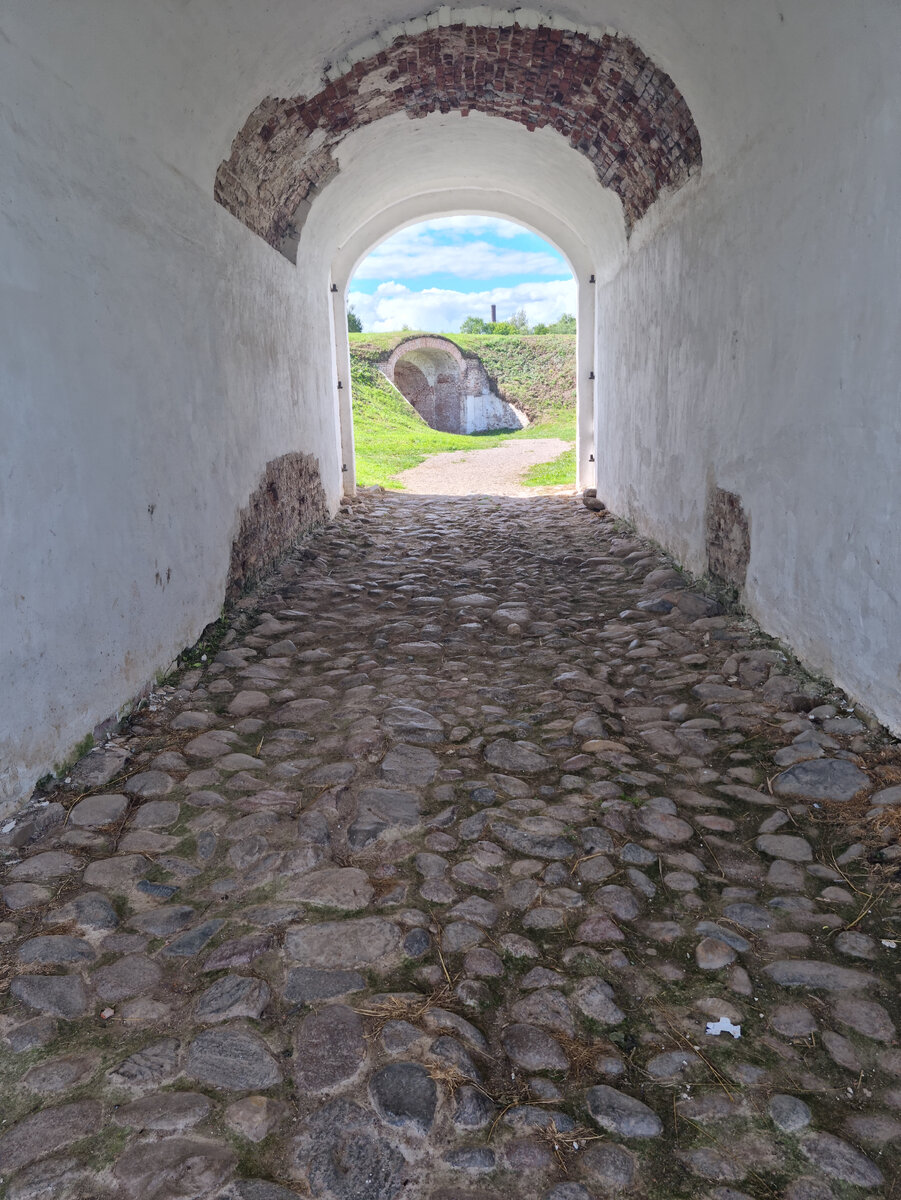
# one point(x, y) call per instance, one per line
point(495, 472)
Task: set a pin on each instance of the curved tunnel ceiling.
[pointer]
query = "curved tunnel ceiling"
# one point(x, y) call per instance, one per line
point(603, 94)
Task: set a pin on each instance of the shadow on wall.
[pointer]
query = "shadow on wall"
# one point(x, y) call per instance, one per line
point(450, 392)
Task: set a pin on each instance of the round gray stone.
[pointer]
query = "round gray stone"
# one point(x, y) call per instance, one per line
point(784, 845)
point(329, 1048)
point(130, 976)
point(90, 910)
point(533, 1049)
point(822, 779)
point(96, 811)
point(60, 1074)
point(233, 1060)
point(788, 1113)
point(44, 1132)
point(519, 758)
point(812, 974)
point(609, 1166)
point(18, 896)
point(169, 1112)
point(231, 997)
point(149, 784)
point(839, 1160)
point(57, 995)
point(56, 950)
point(157, 814)
point(405, 1095)
point(622, 1114)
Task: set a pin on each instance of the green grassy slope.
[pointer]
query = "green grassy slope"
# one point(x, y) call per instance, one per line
point(537, 374)
point(390, 436)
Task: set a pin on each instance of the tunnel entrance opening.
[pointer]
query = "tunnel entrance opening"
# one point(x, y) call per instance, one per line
point(436, 394)
point(449, 390)
point(432, 116)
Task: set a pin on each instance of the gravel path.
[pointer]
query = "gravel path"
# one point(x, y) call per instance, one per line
point(484, 861)
point(494, 472)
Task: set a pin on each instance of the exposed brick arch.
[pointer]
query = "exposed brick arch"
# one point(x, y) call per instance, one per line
point(602, 93)
point(429, 372)
point(439, 344)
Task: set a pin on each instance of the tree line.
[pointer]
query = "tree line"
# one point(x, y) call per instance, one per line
point(518, 324)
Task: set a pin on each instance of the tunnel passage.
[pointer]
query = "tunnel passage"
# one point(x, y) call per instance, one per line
point(431, 382)
point(602, 93)
point(449, 390)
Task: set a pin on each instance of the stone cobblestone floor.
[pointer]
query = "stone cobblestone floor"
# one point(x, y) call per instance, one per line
point(481, 859)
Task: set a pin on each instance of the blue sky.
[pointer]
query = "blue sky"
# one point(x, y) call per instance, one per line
point(433, 275)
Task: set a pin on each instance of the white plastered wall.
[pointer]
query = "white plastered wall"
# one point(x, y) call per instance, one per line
point(155, 356)
point(751, 341)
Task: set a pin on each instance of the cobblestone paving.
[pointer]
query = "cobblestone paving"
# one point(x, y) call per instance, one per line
point(481, 860)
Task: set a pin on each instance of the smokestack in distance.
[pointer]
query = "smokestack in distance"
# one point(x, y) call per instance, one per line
point(494, 314)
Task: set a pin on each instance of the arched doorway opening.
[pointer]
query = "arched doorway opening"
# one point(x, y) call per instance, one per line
point(573, 130)
point(450, 390)
point(486, 408)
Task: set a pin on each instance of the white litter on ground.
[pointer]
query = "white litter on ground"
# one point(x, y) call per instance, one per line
point(723, 1025)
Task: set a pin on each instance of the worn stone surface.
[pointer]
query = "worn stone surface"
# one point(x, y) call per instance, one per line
point(823, 779)
point(344, 1154)
point(255, 1117)
point(100, 810)
point(56, 995)
point(231, 997)
point(233, 1060)
point(171, 1112)
point(350, 942)
point(622, 1114)
point(369, 941)
point(329, 1048)
point(47, 1131)
point(839, 1160)
point(173, 1169)
point(728, 537)
point(405, 1095)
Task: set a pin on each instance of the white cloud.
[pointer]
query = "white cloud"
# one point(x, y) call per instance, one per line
point(439, 310)
point(464, 246)
point(471, 260)
point(469, 225)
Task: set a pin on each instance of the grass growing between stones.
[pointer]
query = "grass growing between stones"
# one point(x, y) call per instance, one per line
point(391, 436)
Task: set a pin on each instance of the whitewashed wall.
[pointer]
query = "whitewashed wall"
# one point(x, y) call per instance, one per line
point(155, 357)
point(752, 341)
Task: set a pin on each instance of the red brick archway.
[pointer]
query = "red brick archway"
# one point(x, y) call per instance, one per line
point(603, 94)
point(429, 376)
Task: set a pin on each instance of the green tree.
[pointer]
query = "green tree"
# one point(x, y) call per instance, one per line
point(354, 324)
point(475, 325)
point(564, 324)
point(503, 328)
point(520, 321)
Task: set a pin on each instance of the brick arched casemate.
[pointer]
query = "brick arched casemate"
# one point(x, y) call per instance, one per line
point(603, 94)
